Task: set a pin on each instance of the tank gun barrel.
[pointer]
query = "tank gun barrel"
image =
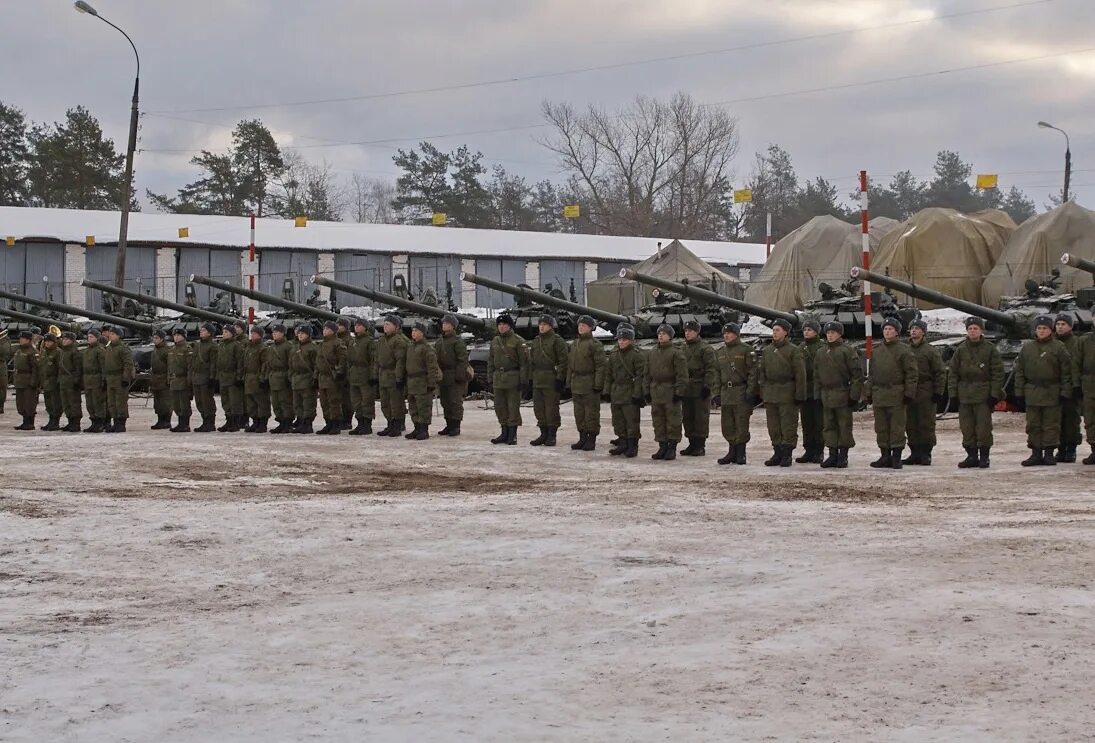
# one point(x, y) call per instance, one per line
point(163, 303)
point(124, 322)
point(931, 295)
point(396, 301)
point(705, 295)
point(37, 320)
point(258, 296)
point(1071, 259)
point(532, 295)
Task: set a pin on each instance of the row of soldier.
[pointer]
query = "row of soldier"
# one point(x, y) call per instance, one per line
point(816, 384)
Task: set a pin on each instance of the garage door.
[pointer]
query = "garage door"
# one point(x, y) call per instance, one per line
point(223, 265)
point(435, 272)
point(371, 270)
point(511, 272)
point(560, 274)
point(275, 266)
point(140, 270)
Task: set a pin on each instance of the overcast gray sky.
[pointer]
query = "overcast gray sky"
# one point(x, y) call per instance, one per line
point(238, 55)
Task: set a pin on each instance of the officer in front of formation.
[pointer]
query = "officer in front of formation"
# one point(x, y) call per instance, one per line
point(25, 379)
point(423, 377)
point(391, 359)
point(625, 387)
point(781, 376)
point(549, 361)
point(119, 371)
point(1043, 380)
point(736, 366)
point(256, 381)
point(452, 358)
point(203, 372)
point(94, 382)
point(891, 384)
point(976, 381)
point(508, 369)
point(330, 373)
point(70, 375)
point(931, 384)
point(49, 356)
point(158, 383)
point(810, 410)
point(361, 376)
point(302, 376)
point(179, 361)
point(666, 381)
point(1071, 437)
point(278, 376)
point(838, 385)
point(586, 376)
point(696, 400)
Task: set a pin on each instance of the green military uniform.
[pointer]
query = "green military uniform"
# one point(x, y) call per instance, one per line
point(508, 370)
point(1083, 378)
point(666, 380)
point(345, 398)
point(256, 384)
point(119, 371)
point(781, 376)
point(230, 380)
point(5, 361)
point(931, 384)
point(452, 358)
point(696, 400)
point(160, 387)
point(423, 377)
point(736, 366)
point(179, 361)
point(281, 389)
point(810, 411)
point(331, 373)
point(892, 382)
point(976, 380)
point(391, 361)
point(94, 387)
point(203, 371)
point(1043, 378)
point(838, 385)
point(361, 373)
point(1071, 435)
point(302, 376)
point(586, 377)
point(70, 373)
point(627, 388)
point(24, 365)
point(549, 361)
point(49, 357)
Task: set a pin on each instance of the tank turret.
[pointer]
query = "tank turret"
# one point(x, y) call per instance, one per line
point(24, 321)
point(292, 312)
point(123, 322)
point(190, 318)
point(401, 302)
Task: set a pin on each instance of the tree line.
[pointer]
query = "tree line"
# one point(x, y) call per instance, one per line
point(651, 168)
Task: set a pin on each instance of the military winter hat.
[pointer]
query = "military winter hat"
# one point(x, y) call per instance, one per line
point(50, 337)
point(361, 321)
point(781, 323)
point(330, 325)
point(813, 324)
point(973, 320)
point(279, 328)
point(625, 330)
point(106, 329)
point(450, 319)
point(161, 334)
point(210, 328)
point(419, 325)
point(179, 331)
point(69, 334)
point(1044, 320)
point(240, 324)
point(587, 320)
point(504, 319)
point(731, 327)
point(395, 320)
point(257, 329)
point(667, 329)
point(836, 327)
point(918, 323)
point(95, 332)
point(692, 325)
point(548, 320)
point(1065, 318)
point(893, 322)
point(306, 329)
point(343, 322)
point(26, 334)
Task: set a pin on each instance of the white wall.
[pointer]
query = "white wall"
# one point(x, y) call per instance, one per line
point(75, 272)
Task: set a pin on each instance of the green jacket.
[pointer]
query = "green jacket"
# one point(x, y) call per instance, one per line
point(1083, 365)
point(700, 358)
point(93, 367)
point(157, 379)
point(976, 373)
point(452, 357)
point(587, 365)
point(70, 368)
point(736, 364)
point(627, 375)
point(24, 363)
point(931, 373)
point(118, 367)
point(423, 373)
point(1043, 372)
point(331, 362)
point(230, 363)
point(666, 373)
point(361, 360)
point(204, 367)
point(48, 361)
point(507, 362)
point(391, 358)
point(1072, 345)
point(782, 373)
point(179, 359)
point(549, 359)
point(838, 375)
point(5, 354)
point(810, 348)
point(893, 378)
point(277, 364)
point(302, 366)
point(255, 372)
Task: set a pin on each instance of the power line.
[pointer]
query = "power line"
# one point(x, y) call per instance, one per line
point(612, 66)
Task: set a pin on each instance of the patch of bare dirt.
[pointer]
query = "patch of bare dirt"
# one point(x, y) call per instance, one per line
point(825, 492)
point(28, 509)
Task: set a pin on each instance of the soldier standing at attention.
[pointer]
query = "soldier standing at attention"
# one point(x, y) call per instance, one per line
point(331, 371)
point(423, 376)
point(892, 383)
point(549, 361)
point(347, 339)
point(810, 410)
point(302, 374)
point(361, 374)
point(976, 381)
point(781, 376)
point(203, 370)
point(452, 357)
point(119, 371)
point(626, 389)
point(230, 377)
point(5, 359)
point(838, 382)
point(696, 401)
point(25, 380)
point(256, 381)
point(179, 360)
point(70, 372)
point(49, 356)
point(508, 370)
point(1083, 380)
point(94, 383)
point(277, 374)
point(586, 375)
point(931, 387)
point(1043, 380)
point(1071, 438)
point(157, 381)
point(737, 385)
point(666, 380)
point(391, 361)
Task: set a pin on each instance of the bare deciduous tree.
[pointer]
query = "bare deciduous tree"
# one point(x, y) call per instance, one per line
point(372, 200)
point(307, 189)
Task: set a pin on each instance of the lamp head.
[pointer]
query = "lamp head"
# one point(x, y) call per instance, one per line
point(83, 7)
point(1046, 125)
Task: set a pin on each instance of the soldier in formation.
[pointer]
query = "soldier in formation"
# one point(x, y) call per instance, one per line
point(347, 417)
point(781, 376)
point(626, 382)
point(49, 356)
point(361, 375)
point(330, 373)
point(976, 381)
point(423, 377)
point(549, 362)
point(1043, 380)
point(302, 376)
point(508, 368)
point(452, 358)
point(230, 378)
point(1083, 380)
point(391, 360)
point(70, 374)
point(586, 376)
point(810, 409)
point(25, 379)
point(1071, 437)
point(696, 400)
point(179, 361)
point(119, 371)
point(256, 382)
point(278, 378)
point(666, 380)
point(736, 366)
point(931, 384)
point(157, 381)
point(838, 385)
point(94, 382)
point(891, 384)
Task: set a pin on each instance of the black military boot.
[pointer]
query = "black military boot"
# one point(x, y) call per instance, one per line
point(983, 457)
point(699, 448)
point(777, 455)
point(119, 425)
point(512, 438)
point(808, 456)
point(93, 426)
point(336, 428)
point(830, 461)
point(739, 458)
point(367, 427)
point(730, 457)
point(1034, 459)
point(162, 422)
point(895, 458)
point(420, 433)
point(914, 455)
point(183, 426)
point(108, 424)
point(445, 431)
point(414, 432)
point(1067, 454)
point(617, 441)
point(619, 446)
point(400, 427)
point(842, 458)
point(580, 443)
point(632, 448)
point(305, 426)
point(670, 450)
point(687, 451)
point(281, 427)
point(206, 426)
point(539, 440)
point(454, 428)
point(501, 438)
point(1048, 458)
point(926, 456)
point(73, 426)
point(663, 447)
point(1090, 458)
point(53, 424)
point(884, 460)
point(786, 460)
point(971, 459)
point(260, 425)
point(550, 440)
point(326, 428)
point(387, 430)
point(591, 442)
point(26, 425)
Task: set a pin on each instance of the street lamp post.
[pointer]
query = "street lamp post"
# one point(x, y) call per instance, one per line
point(1068, 155)
point(123, 228)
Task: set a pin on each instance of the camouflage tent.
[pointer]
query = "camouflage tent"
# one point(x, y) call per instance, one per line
point(944, 250)
point(1035, 249)
point(820, 251)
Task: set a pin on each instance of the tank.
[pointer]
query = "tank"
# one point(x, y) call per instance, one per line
point(139, 327)
point(29, 321)
point(1085, 297)
point(190, 318)
point(845, 305)
point(291, 312)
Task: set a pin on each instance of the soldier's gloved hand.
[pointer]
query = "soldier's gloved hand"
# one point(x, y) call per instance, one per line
point(526, 392)
point(717, 400)
point(560, 385)
point(638, 401)
point(705, 392)
point(752, 400)
point(649, 400)
point(676, 398)
point(606, 397)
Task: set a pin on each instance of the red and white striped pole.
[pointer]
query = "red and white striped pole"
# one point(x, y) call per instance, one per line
point(768, 237)
point(251, 277)
point(867, 323)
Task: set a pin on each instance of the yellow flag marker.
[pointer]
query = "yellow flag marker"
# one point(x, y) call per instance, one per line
point(986, 180)
point(743, 195)
point(89, 240)
point(184, 232)
point(572, 211)
point(10, 240)
point(300, 222)
point(439, 218)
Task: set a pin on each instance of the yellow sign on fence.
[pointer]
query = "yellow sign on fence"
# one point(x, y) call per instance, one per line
point(184, 232)
point(89, 240)
point(743, 195)
point(300, 222)
point(10, 240)
point(987, 180)
point(439, 218)
point(572, 211)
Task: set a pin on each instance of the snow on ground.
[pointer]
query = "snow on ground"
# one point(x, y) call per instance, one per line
point(946, 321)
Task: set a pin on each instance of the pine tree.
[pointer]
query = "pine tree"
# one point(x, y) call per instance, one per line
point(447, 182)
point(14, 156)
point(257, 160)
point(1018, 206)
